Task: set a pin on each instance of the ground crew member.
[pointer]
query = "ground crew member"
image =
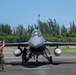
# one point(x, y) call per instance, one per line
point(24, 58)
point(2, 56)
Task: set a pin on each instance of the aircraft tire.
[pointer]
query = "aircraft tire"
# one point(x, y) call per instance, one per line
point(26, 60)
point(36, 62)
point(50, 59)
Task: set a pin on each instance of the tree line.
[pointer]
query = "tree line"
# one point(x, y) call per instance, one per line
point(51, 30)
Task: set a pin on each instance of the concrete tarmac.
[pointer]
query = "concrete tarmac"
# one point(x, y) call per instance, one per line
point(62, 65)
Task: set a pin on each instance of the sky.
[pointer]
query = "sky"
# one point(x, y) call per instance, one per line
point(25, 12)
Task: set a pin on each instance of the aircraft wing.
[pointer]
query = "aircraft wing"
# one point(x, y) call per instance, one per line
point(59, 44)
point(17, 44)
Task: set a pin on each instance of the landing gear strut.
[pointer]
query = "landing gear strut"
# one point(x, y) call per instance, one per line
point(36, 59)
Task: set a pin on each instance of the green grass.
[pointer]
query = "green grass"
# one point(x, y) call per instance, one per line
point(65, 50)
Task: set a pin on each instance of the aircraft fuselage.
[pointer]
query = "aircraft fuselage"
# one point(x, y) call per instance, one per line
point(36, 42)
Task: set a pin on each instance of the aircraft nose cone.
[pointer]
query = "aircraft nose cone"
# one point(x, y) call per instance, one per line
point(36, 42)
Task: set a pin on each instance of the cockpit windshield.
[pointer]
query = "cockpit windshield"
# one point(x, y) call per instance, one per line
point(36, 33)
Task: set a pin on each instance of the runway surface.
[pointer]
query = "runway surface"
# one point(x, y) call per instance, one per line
point(62, 65)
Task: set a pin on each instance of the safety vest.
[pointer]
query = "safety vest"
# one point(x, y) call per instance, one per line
point(0, 50)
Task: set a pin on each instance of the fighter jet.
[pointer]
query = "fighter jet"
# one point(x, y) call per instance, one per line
point(37, 45)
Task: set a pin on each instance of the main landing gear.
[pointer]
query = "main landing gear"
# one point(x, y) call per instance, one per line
point(50, 59)
point(47, 57)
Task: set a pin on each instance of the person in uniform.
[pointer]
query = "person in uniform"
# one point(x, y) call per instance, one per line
point(24, 58)
point(1, 55)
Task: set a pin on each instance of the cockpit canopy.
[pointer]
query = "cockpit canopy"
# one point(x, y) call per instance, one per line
point(36, 33)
